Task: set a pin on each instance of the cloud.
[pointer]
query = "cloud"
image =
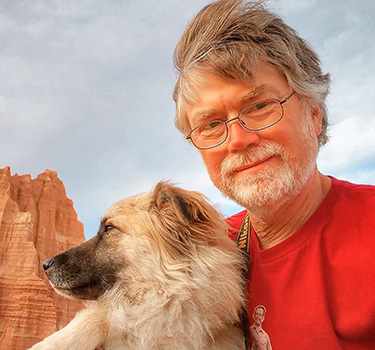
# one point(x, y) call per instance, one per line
point(85, 89)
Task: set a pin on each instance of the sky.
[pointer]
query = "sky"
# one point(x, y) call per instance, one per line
point(86, 86)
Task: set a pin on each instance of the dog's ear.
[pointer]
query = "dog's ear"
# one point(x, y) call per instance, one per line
point(187, 217)
point(188, 207)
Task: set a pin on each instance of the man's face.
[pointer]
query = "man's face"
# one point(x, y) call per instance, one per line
point(262, 167)
point(258, 316)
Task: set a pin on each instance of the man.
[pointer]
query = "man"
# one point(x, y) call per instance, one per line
point(250, 96)
point(259, 337)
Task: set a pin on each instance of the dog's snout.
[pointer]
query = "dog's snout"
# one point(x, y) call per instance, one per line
point(48, 263)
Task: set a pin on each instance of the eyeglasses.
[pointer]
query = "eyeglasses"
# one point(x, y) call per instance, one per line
point(258, 116)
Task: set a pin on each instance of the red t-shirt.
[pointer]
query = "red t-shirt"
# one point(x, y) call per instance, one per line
point(318, 285)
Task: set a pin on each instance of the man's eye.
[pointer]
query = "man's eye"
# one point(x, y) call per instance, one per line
point(213, 124)
point(261, 105)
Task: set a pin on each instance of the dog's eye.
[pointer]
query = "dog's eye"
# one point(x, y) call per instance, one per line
point(108, 228)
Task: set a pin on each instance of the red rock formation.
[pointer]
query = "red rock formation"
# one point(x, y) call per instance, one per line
point(37, 221)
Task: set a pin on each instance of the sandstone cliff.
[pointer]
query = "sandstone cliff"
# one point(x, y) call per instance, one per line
point(37, 221)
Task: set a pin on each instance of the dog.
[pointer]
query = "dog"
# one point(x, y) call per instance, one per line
point(161, 274)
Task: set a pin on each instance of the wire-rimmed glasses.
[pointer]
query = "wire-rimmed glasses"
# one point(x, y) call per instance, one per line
point(258, 116)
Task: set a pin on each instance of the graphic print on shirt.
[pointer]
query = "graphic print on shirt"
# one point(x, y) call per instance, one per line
point(259, 337)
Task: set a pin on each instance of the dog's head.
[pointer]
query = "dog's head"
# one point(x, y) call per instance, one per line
point(143, 239)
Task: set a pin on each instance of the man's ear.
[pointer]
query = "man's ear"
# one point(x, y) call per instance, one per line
point(317, 118)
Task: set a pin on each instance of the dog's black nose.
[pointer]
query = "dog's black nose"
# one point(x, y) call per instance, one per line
point(48, 263)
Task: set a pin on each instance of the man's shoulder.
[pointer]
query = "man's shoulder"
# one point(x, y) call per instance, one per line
point(347, 205)
point(354, 192)
point(234, 223)
point(351, 185)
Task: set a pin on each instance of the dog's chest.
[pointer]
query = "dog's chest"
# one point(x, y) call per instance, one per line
point(141, 331)
point(144, 330)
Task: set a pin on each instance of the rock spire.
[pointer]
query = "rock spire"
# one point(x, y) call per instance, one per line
point(37, 221)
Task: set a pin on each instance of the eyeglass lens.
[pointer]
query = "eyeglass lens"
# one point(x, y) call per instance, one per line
point(256, 117)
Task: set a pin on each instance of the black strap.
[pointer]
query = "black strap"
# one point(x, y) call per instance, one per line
point(243, 242)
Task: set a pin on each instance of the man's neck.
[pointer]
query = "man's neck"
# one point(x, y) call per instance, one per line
point(273, 224)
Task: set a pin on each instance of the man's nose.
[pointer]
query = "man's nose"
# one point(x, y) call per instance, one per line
point(239, 138)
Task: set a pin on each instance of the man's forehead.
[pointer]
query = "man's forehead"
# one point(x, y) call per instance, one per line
point(251, 88)
point(245, 97)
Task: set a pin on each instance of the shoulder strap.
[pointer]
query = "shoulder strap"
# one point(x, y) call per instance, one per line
point(243, 243)
point(243, 237)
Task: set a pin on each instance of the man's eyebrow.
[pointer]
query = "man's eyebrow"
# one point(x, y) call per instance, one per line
point(254, 93)
point(259, 90)
point(200, 116)
point(205, 113)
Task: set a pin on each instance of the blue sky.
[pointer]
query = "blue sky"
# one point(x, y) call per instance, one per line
point(85, 89)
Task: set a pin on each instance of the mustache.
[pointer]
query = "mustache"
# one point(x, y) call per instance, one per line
point(251, 155)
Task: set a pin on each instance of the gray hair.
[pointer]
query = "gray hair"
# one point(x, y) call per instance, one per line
point(229, 37)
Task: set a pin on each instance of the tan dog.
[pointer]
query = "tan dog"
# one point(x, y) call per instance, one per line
point(163, 274)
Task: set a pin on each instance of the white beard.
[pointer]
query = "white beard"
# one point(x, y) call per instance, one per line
point(272, 186)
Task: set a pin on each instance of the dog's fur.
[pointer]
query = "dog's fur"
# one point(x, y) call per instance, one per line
point(163, 274)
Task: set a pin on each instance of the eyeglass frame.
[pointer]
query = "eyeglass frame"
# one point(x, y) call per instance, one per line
point(188, 137)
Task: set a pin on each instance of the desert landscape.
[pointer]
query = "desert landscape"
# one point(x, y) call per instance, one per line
point(37, 221)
